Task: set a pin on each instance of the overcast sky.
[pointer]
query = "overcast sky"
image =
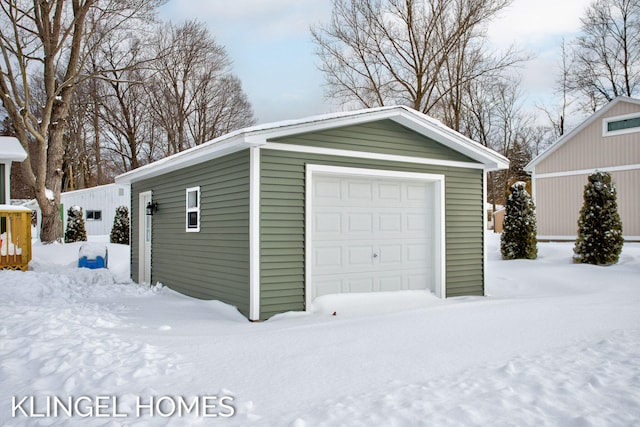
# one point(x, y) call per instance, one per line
point(272, 53)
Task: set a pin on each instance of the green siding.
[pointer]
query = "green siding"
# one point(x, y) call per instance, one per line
point(213, 263)
point(383, 137)
point(282, 208)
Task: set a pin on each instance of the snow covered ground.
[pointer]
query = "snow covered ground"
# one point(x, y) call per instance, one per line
point(554, 344)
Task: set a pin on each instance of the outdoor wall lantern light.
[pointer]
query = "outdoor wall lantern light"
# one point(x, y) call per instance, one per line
point(152, 208)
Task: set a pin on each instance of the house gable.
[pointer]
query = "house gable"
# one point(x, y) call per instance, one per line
point(380, 137)
point(589, 147)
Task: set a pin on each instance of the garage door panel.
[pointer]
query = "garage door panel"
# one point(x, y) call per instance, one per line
point(389, 192)
point(328, 286)
point(391, 222)
point(417, 252)
point(327, 190)
point(359, 222)
point(358, 190)
point(416, 281)
point(328, 222)
point(371, 234)
point(416, 193)
point(328, 257)
point(361, 284)
point(359, 256)
point(390, 254)
point(418, 222)
point(389, 284)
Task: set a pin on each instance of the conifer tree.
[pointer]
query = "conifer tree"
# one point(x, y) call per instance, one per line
point(518, 238)
point(599, 227)
point(120, 230)
point(76, 231)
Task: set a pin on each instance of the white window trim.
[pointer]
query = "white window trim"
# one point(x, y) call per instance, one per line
point(189, 210)
point(607, 120)
point(439, 210)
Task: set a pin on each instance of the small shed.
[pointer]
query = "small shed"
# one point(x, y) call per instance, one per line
point(98, 205)
point(270, 217)
point(498, 220)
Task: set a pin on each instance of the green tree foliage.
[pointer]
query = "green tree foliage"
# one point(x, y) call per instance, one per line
point(120, 231)
point(76, 231)
point(518, 239)
point(599, 227)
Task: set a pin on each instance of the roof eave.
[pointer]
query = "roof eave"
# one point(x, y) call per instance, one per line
point(259, 135)
point(183, 159)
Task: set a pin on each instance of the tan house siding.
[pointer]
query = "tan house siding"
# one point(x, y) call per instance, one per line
point(588, 149)
point(560, 174)
point(559, 200)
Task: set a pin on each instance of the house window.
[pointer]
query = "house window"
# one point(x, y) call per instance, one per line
point(193, 209)
point(621, 125)
point(94, 215)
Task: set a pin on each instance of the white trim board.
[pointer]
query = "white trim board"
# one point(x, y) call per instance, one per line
point(142, 218)
point(485, 243)
point(254, 233)
point(7, 183)
point(586, 171)
point(439, 210)
point(575, 237)
point(369, 155)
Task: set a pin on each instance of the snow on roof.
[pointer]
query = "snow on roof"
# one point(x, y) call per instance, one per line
point(258, 135)
point(567, 136)
point(14, 208)
point(11, 149)
point(104, 187)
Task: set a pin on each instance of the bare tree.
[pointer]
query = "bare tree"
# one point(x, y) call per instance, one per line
point(607, 55)
point(557, 114)
point(496, 118)
point(51, 40)
point(418, 53)
point(122, 98)
point(220, 107)
point(194, 96)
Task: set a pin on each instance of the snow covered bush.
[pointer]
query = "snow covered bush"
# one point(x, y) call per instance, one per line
point(76, 231)
point(518, 238)
point(599, 227)
point(120, 230)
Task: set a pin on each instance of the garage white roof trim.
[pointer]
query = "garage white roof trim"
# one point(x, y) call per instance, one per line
point(11, 149)
point(258, 135)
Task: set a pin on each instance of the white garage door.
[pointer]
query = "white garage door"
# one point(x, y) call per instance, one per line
point(371, 234)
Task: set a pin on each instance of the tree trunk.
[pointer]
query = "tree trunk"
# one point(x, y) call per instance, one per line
point(51, 227)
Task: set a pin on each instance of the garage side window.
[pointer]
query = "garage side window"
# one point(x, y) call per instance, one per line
point(620, 125)
point(94, 215)
point(193, 209)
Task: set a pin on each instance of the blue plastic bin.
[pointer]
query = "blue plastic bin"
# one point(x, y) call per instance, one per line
point(93, 256)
